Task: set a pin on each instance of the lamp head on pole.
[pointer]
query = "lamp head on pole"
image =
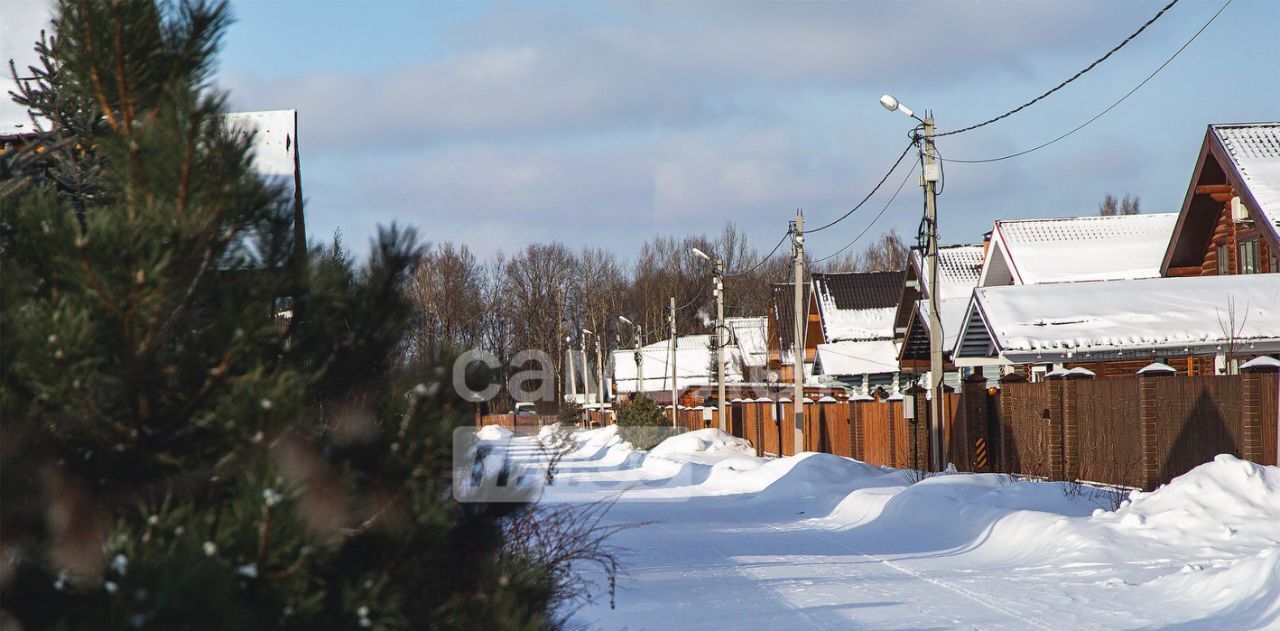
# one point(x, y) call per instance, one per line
point(893, 105)
point(587, 332)
point(700, 253)
point(624, 319)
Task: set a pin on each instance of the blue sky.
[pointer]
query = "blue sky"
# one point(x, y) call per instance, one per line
point(499, 124)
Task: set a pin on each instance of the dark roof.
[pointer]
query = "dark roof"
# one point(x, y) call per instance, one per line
point(783, 313)
point(861, 290)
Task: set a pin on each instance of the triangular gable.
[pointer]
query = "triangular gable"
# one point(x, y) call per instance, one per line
point(1215, 170)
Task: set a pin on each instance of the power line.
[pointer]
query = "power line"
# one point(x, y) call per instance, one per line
point(873, 221)
point(873, 191)
point(1064, 83)
point(763, 260)
point(1109, 107)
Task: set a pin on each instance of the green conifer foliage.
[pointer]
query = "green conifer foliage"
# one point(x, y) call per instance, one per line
point(175, 452)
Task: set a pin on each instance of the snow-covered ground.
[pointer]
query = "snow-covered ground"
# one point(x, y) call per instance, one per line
point(730, 541)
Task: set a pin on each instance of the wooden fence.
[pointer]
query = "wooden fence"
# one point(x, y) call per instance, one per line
point(1137, 432)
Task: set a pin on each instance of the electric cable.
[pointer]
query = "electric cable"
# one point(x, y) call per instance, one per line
point(762, 261)
point(873, 191)
point(1109, 107)
point(873, 221)
point(1064, 83)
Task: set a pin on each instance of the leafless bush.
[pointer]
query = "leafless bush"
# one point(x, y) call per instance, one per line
point(566, 540)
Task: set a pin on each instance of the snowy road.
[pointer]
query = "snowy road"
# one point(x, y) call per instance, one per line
point(734, 542)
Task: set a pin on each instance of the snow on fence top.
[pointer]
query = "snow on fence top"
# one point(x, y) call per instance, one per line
point(1072, 319)
point(1065, 249)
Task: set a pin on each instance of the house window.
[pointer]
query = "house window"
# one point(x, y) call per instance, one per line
point(1224, 265)
point(1249, 256)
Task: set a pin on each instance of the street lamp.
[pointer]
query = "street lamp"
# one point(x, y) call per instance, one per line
point(637, 338)
point(929, 181)
point(893, 105)
point(718, 272)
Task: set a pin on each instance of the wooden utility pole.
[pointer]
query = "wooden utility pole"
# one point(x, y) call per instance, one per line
point(936, 426)
point(798, 340)
point(674, 403)
point(720, 343)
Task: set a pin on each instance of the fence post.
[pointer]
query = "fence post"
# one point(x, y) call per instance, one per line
point(918, 426)
point(973, 399)
point(1253, 373)
point(1071, 421)
point(1008, 462)
point(1148, 415)
point(1057, 462)
point(855, 430)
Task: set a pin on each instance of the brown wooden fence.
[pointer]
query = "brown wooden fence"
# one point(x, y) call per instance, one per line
point(1109, 444)
point(1135, 432)
point(1138, 432)
point(521, 424)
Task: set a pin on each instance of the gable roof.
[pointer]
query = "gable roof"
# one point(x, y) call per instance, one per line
point(1244, 156)
point(751, 337)
point(857, 305)
point(1254, 152)
point(1106, 319)
point(1071, 249)
point(782, 314)
point(694, 364)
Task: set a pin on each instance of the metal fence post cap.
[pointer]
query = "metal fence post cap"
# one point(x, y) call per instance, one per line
point(1157, 369)
point(1261, 364)
point(1013, 377)
point(975, 378)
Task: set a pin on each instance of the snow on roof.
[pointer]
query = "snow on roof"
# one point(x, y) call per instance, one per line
point(1255, 152)
point(857, 306)
point(961, 266)
point(751, 335)
point(1079, 248)
point(275, 141)
point(694, 365)
point(20, 25)
point(857, 358)
point(1029, 321)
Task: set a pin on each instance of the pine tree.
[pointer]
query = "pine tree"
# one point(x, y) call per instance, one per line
point(175, 453)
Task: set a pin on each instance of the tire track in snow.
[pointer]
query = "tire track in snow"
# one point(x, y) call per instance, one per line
point(1019, 616)
point(809, 618)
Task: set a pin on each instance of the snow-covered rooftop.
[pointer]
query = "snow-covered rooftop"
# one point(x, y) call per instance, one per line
point(857, 358)
point(1065, 249)
point(857, 305)
point(751, 335)
point(960, 266)
point(1106, 317)
point(1255, 151)
point(694, 364)
point(275, 140)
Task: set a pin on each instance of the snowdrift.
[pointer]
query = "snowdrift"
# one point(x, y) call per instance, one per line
point(494, 432)
point(1225, 504)
point(710, 440)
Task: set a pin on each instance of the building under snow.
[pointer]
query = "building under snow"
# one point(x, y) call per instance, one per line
point(1211, 304)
